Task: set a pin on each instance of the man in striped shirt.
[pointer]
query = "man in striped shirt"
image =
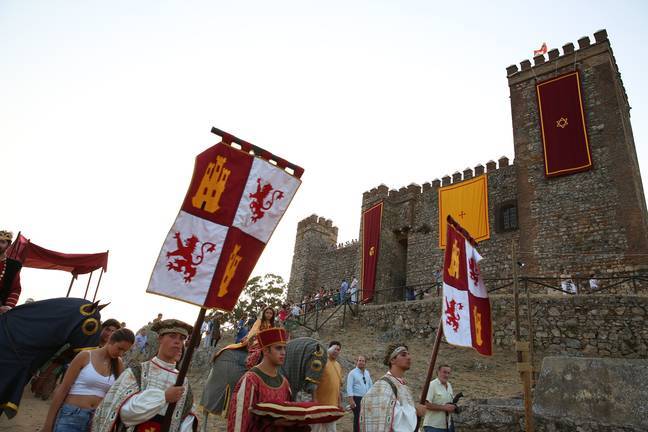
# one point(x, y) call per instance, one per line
point(9, 275)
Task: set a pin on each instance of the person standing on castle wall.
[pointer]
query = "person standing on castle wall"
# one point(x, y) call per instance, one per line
point(343, 290)
point(9, 275)
point(566, 283)
point(593, 283)
point(353, 290)
point(328, 390)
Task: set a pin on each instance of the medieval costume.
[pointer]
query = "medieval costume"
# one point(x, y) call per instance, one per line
point(254, 387)
point(250, 342)
point(136, 402)
point(9, 276)
point(388, 407)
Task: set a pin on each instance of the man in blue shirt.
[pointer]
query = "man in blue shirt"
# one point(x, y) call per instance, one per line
point(343, 290)
point(358, 384)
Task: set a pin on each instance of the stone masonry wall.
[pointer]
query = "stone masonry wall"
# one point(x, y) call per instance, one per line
point(594, 326)
point(590, 221)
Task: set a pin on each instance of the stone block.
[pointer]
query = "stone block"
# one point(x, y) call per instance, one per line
point(607, 391)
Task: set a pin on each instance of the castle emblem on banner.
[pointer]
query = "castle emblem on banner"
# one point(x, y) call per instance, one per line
point(212, 186)
point(183, 257)
point(263, 199)
point(230, 270)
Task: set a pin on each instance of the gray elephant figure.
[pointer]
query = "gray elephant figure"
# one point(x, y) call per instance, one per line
point(305, 361)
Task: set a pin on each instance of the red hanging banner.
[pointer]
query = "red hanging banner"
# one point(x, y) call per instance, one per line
point(562, 123)
point(371, 221)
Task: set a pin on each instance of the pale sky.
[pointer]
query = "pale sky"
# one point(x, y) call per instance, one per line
point(104, 105)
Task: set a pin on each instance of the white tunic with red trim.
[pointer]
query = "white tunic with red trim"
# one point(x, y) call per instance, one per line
point(127, 403)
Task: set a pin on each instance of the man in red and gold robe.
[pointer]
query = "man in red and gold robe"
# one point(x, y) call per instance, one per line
point(262, 383)
point(9, 275)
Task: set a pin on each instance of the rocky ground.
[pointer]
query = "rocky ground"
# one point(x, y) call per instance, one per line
point(476, 376)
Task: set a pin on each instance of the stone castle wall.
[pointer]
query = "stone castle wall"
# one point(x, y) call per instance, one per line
point(591, 222)
point(594, 326)
point(588, 221)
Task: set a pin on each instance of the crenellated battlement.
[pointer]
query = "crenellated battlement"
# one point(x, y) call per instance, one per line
point(553, 60)
point(413, 190)
point(316, 221)
point(581, 223)
point(569, 53)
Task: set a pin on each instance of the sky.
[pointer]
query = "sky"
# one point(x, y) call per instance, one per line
point(104, 105)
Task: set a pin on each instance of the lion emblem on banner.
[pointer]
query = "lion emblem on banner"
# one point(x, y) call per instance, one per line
point(452, 314)
point(263, 199)
point(474, 270)
point(184, 261)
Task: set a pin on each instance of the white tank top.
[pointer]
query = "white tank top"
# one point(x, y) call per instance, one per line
point(90, 382)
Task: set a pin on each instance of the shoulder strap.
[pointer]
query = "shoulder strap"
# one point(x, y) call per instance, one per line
point(137, 373)
point(391, 384)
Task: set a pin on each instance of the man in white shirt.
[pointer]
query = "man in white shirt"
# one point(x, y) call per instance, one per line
point(138, 400)
point(358, 384)
point(389, 405)
point(439, 403)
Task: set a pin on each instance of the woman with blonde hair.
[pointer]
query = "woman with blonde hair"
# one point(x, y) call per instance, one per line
point(86, 382)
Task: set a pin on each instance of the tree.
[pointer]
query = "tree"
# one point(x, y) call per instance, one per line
point(260, 291)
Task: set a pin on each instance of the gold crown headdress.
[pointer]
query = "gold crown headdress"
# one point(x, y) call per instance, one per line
point(6, 235)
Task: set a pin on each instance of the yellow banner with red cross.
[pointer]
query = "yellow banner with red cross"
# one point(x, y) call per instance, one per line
point(467, 203)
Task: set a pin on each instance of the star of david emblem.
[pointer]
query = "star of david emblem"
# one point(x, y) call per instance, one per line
point(562, 123)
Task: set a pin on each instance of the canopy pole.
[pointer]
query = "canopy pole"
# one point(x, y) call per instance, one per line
point(88, 286)
point(70, 287)
point(98, 283)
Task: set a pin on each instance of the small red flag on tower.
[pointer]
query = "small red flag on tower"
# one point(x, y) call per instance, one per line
point(542, 50)
point(466, 311)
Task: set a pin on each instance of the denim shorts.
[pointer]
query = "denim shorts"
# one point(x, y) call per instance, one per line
point(71, 418)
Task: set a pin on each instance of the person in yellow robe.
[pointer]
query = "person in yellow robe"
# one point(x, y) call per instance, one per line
point(265, 321)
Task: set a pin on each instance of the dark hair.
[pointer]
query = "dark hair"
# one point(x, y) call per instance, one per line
point(442, 365)
point(390, 349)
point(335, 343)
point(272, 320)
point(111, 322)
point(119, 335)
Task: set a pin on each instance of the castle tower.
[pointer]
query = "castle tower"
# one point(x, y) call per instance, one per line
point(590, 221)
point(315, 236)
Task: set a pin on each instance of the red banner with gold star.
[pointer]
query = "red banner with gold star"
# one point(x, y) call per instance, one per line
point(371, 221)
point(562, 123)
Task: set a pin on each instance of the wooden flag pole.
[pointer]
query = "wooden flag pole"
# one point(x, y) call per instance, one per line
point(432, 364)
point(525, 368)
point(184, 368)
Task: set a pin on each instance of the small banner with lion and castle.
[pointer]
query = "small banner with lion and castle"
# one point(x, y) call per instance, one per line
point(236, 198)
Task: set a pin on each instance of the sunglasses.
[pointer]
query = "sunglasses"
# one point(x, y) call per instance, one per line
point(364, 380)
